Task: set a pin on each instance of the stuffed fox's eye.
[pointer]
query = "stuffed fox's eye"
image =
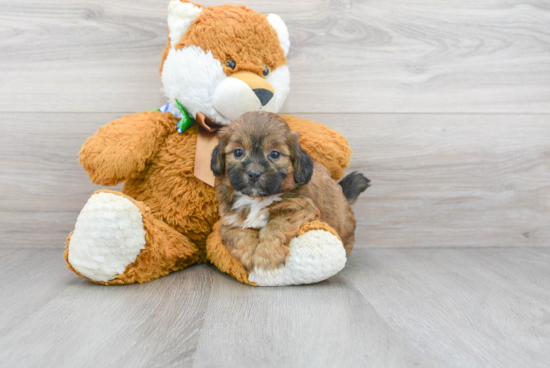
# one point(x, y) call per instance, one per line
point(231, 64)
point(266, 71)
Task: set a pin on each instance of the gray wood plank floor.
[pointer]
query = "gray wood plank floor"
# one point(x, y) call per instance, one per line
point(388, 308)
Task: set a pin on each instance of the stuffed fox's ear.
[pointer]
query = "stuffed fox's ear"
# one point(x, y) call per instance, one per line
point(180, 16)
point(282, 31)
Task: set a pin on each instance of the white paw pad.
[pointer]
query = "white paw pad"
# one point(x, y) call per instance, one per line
point(314, 256)
point(108, 236)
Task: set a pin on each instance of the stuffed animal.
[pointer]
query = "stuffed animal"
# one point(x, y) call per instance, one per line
point(219, 63)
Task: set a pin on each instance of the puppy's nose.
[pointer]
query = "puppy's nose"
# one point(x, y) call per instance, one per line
point(263, 95)
point(254, 175)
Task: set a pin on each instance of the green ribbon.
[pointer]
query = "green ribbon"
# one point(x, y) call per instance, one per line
point(185, 121)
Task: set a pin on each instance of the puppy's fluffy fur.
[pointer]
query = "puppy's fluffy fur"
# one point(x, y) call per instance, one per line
point(269, 187)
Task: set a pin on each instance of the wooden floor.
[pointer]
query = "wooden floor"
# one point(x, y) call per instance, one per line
point(447, 108)
point(388, 308)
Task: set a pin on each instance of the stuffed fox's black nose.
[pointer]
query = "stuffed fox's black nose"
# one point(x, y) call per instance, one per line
point(254, 175)
point(264, 95)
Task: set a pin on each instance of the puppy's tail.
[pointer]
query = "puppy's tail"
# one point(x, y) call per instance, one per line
point(354, 184)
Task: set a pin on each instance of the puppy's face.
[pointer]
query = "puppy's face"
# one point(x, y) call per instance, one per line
point(260, 156)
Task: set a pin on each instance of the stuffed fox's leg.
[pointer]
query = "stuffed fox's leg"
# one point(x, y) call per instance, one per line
point(316, 254)
point(117, 240)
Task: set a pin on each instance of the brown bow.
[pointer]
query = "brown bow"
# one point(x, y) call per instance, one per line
point(207, 140)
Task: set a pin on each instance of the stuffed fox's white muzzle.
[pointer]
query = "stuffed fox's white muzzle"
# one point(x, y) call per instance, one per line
point(243, 92)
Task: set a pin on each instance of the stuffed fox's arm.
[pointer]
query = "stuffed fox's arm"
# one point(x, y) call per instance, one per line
point(324, 145)
point(123, 147)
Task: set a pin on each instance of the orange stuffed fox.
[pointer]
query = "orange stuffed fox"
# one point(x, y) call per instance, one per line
point(220, 62)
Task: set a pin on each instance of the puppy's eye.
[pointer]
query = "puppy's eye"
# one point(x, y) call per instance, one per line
point(231, 64)
point(275, 155)
point(266, 71)
point(238, 153)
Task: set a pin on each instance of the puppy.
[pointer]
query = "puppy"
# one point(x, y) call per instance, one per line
point(269, 187)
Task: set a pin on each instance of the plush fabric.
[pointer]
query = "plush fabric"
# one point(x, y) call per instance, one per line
point(317, 225)
point(165, 251)
point(237, 33)
point(156, 163)
point(109, 234)
point(326, 146)
point(302, 263)
point(314, 256)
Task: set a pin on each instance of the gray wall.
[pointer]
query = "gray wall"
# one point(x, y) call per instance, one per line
point(446, 106)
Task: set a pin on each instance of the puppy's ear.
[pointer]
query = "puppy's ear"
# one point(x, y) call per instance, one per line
point(301, 161)
point(217, 164)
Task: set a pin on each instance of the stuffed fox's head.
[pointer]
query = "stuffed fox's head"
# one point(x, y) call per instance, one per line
point(225, 60)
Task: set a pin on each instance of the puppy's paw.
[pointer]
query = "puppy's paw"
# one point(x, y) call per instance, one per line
point(270, 257)
point(245, 257)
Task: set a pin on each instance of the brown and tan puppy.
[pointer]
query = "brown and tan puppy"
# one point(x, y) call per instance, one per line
point(269, 187)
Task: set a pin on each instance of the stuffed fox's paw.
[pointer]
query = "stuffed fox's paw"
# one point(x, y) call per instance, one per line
point(315, 255)
point(117, 240)
point(108, 236)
